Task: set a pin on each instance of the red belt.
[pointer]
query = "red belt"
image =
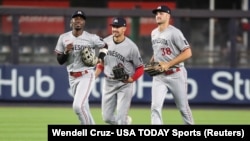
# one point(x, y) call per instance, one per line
point(171, 71)
point(78, 74)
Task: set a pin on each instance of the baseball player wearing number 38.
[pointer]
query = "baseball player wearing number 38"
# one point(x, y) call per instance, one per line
point(170, 49)
point(122, 67)
point(70, 48)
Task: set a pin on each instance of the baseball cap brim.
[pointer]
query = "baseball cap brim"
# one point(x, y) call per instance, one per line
point(84, 17)
point(162, 9)
point(117, 25)
point(157, 10)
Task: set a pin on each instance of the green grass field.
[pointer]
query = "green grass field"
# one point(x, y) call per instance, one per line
point(26, 123)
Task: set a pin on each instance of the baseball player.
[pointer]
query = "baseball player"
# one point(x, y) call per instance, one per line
point(170, 49)
point(117, 95)
point(81, 77)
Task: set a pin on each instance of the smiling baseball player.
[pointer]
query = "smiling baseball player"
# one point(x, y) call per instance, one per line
point(170, 49)
point(81, 76)
point(122, 66)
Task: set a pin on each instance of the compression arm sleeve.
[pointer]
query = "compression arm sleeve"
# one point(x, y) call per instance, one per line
point(62, 58)
point(138, 72)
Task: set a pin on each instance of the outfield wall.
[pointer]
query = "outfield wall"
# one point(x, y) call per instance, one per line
point(50, 84)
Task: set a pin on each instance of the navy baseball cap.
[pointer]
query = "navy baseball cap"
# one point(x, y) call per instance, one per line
point(162, 8)
point(119, 21)
point(79, 13)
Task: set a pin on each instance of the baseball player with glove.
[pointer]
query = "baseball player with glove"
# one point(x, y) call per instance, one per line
point(76, 49)
point(170, 50)
point(122, 66)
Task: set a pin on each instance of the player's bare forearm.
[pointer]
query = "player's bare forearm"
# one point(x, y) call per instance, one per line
point(185, 54)
point(152, 59)
point(97, 72)
point(99, 69)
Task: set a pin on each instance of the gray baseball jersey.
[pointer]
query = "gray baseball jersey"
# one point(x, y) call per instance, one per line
point(74, 62)
point(125, 53)
point(167, 45)
point(117, 95)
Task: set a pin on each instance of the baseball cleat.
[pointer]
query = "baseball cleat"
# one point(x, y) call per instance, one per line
point(129, 120)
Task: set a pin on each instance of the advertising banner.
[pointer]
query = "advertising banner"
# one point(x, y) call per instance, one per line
point(50, 83)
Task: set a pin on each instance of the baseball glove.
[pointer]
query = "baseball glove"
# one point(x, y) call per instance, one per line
point(119, 73)
point(152, 68)
point(88, 57)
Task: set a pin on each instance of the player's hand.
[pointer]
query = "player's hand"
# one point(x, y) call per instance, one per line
point(68, 48)
point(129, 80)
point(158, 67)
point(164, 66)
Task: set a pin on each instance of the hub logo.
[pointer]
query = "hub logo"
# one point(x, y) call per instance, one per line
point(35, 84)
